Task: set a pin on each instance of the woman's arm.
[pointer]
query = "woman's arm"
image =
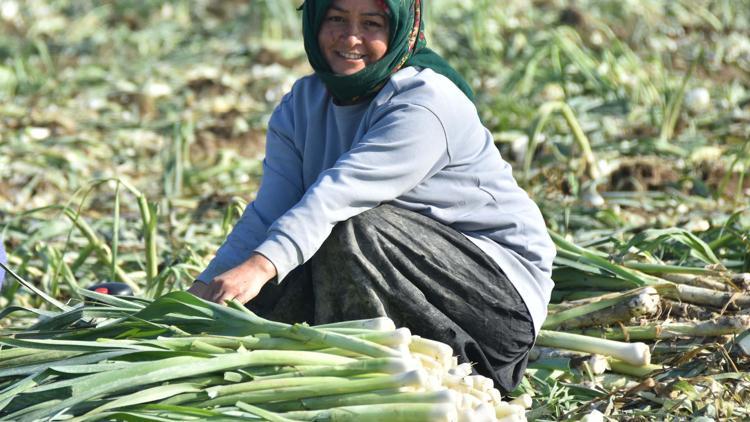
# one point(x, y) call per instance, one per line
point(281, 187)
point(405, 144)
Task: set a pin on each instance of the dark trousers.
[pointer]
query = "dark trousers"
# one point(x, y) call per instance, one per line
point(422, 274)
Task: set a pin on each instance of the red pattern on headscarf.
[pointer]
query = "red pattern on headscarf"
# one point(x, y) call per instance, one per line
point(382, 4)
point(417, 24)
point(414, 35)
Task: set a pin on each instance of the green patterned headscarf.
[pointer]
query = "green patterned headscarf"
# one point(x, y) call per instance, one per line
point(406, 47)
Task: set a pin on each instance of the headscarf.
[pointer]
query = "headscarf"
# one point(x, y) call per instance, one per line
point(406, 47)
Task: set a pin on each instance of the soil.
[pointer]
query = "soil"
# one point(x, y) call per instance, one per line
point(211, 139)
point(714, 174)
point(643, 174)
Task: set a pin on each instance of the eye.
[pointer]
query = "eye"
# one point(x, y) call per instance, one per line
point(373, 24)
point(335, 18)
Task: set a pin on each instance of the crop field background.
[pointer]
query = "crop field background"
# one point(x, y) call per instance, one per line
point(132, 136)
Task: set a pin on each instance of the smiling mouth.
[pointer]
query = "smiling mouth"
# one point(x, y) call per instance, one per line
point(350, 56)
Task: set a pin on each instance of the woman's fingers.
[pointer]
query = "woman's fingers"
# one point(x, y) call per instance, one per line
point(220, 290)
point(217, 291)
point(198, 289)
point(223, 297)
point(245, 296)
point(240, 290)
point(242, 282)
point(225, 289)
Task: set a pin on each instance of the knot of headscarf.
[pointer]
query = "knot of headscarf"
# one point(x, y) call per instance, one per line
point(406, 47)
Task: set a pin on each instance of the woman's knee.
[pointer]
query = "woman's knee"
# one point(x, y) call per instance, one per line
point(375, 216)
point(348, 236)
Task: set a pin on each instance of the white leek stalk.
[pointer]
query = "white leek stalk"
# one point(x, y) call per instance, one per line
point(509, 409)
point(399, 412)
point(633, 353)
point(379, 323)
point(524, 400)
point(438, 351)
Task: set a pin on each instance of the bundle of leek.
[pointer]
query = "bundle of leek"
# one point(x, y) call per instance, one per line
point(182, 358)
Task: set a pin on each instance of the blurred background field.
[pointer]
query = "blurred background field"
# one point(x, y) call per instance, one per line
point(132, 135)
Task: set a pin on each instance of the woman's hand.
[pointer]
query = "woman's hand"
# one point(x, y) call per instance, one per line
point(242, 283)
point(198, 289)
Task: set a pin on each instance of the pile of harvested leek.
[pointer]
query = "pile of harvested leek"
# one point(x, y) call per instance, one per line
point(639, 328)
point(182, 358)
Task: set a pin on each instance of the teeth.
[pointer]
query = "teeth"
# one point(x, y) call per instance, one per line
point(351, 56)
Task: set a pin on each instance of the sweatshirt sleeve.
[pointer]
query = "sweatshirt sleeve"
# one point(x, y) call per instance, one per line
point(281, 187)
point(405, 144)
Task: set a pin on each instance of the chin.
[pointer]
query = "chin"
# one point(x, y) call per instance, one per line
point(346, 71)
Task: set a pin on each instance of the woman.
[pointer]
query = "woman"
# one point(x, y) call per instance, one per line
point(383, 194)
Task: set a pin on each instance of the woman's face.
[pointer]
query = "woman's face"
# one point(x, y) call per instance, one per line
point(354, 34)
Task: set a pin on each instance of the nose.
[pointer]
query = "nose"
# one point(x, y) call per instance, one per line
point(351, 34)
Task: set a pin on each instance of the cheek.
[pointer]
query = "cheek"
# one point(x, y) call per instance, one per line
point(379, 48)
point(324, 40)
point(382, 42)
